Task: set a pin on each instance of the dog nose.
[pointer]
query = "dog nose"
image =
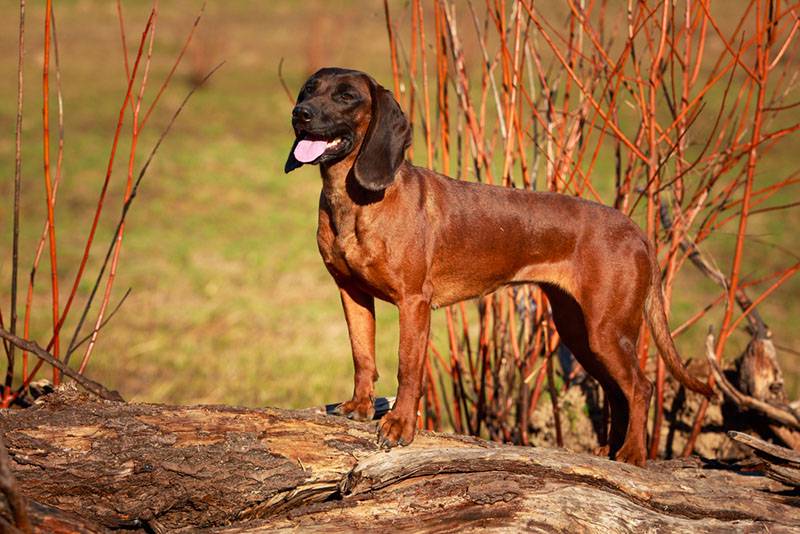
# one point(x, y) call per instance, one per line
point(302, 113)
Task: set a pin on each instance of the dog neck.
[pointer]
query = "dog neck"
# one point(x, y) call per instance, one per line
point(335, 178)
point(341, 194)
point(344, 196)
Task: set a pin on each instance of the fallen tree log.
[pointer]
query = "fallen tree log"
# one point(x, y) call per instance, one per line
point(776, 462)
point(159, 468)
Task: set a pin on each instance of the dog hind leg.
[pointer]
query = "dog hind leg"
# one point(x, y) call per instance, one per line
point(633, 392)
point(607, 352)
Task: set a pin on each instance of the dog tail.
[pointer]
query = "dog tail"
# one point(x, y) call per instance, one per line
point(657, 321)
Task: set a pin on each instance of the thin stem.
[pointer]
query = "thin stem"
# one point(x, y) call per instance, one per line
point(17, 189)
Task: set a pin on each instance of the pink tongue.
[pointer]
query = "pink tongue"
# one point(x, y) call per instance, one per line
point(307, 151)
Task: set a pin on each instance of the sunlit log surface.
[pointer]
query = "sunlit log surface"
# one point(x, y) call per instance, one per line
point(160, 468)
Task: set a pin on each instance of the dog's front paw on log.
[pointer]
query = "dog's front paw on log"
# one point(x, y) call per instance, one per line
point(395, 430)
point(357, 409)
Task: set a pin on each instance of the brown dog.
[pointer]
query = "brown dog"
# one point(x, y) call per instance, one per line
point(421, 240)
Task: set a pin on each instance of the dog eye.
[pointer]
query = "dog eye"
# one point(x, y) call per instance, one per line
point(347, 97)
point(309, 88)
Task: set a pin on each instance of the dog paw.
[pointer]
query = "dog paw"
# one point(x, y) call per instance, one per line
point(395, 430)
point(602, 450)
point(357, 409)
point(631, 455)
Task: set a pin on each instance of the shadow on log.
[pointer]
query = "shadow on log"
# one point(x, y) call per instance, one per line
point(160, 468)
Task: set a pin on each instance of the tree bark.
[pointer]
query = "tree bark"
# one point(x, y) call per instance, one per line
point(157, 468)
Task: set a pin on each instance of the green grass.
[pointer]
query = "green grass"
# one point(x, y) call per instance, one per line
point(230, 300)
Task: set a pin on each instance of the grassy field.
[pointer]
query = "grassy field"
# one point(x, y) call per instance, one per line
point(230, 301)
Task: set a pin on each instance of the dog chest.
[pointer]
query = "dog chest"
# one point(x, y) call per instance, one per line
point(347, 256)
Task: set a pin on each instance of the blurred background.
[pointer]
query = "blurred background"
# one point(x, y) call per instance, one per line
point(230, 301)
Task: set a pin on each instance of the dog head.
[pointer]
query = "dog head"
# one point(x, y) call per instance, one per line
point(342, 113)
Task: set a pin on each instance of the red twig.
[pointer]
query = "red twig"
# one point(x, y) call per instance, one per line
point(100, 202)
point(762, 62)
point(392, 49)
point(51, 229)
point(135, 130)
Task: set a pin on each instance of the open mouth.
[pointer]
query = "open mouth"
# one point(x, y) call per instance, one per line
point(310, 148)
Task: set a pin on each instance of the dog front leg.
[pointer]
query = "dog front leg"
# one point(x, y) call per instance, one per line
point(359, 311)
point(398, 426)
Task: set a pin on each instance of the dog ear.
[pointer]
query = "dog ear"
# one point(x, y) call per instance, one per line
point(385, 143)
